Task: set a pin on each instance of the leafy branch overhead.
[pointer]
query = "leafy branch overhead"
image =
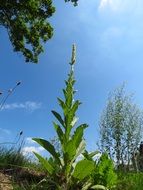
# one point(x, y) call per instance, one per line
point(27, 24)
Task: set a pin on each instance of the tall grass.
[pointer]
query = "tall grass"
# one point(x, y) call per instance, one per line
point(12, 157)
point(25, 173)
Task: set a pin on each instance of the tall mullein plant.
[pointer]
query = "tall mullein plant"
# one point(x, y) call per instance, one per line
point(71, 141)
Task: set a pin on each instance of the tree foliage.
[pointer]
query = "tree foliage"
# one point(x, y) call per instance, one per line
point(73, 1)
point(27, 24)
point(120, 127)
point(104, 173)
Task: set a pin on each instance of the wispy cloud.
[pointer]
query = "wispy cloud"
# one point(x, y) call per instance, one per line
point(114, 5)
point(103, 3)
point(29, 140)
point(30, 149)
point(28, 105)
point(110, 36)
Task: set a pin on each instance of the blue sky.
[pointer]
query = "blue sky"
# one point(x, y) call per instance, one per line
point(109, 39)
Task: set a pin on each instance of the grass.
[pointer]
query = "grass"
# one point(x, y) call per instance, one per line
point(130, 181)
point(11, 157)
point(25, 174)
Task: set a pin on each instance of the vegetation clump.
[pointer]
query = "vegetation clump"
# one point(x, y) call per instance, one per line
point(64, 168)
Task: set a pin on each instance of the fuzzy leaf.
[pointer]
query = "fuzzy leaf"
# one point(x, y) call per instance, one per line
point(49, 147)
point(86, 185)
point(80, 149)
point(59, 132)
point(71, 114)
point(74, 121)
point(45, 163)
point(64, 92)
point(83, 169)
point(78, 134)
point(70, 150)
point(99, 187)
point(90, 155)
point(69, 96)
point(75, 106)
point(58, 117)
point(61, 103)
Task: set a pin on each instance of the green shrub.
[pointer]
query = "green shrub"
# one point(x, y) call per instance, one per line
point(104, 173)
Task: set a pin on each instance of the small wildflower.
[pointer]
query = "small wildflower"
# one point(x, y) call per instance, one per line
point(18, 83)
point(21, 132)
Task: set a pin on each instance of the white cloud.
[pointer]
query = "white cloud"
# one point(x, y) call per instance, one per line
point(29, 140)
point(28, 105)
point(30, 149)
point(114, 5)
point(103, 3)
point(111, 37)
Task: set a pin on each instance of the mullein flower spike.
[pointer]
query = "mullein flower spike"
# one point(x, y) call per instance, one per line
point(73, 59)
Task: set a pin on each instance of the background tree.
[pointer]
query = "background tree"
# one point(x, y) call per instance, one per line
point(120, 127)
point(73, 1)
point(26, 22)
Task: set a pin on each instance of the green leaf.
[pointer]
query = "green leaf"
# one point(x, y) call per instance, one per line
point(69, 118)
point(49, 147)
point(70, 150)
point(45, 163)
point(61, 103)
point(80, 149)
point(58, 117)
point(69, 96)
point(64, 92)
point(90, 155)
point(74, 121)
point(78, 134)
point(75, 106)
point(59, 132)
point(69, 91)
point(83, 169)
point(71, 114)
